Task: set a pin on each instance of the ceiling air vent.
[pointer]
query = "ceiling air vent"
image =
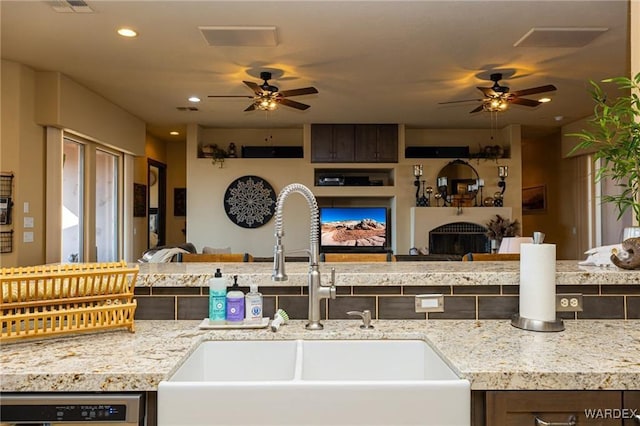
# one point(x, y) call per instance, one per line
point(70, 6)
point(559, 37)
point(187, 108)
point(240, 36)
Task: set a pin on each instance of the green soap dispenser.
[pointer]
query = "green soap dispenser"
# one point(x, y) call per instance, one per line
point(217, 298)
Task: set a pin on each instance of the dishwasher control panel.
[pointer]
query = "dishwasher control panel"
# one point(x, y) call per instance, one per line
point(76, 408)
point(68, 413)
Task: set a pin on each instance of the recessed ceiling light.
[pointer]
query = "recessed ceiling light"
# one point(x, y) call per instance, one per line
point(544, 100)
point(558, 118)
point(127, 32)
point(194, 99)
point(174, 133)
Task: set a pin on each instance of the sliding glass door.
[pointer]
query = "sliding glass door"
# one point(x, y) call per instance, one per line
point(72, 202)
point(92, 202)
point(106, 228)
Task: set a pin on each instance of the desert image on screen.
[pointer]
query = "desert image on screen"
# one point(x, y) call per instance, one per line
point(354, 227)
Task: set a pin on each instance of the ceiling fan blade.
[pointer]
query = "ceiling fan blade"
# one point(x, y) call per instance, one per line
point(489, 92)
point(535, 90)
point(457, 102)
point(293, 104)
point(229, 96)
point(251, 107)
point(477, 109)
point(525, 102)
point(253, 86)
point(299, 92)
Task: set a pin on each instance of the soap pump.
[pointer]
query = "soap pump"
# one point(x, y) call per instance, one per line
point(235, 303)
point(217, 298)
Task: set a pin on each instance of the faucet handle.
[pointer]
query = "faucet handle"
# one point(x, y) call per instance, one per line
point(366, 318)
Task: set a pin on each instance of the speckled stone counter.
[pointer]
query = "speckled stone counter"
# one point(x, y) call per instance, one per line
point(490, 354)
point(568, 272)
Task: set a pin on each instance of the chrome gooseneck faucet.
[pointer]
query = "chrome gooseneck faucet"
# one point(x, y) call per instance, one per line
point(317, 292)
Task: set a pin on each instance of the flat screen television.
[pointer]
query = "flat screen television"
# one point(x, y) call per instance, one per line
point(354, 229)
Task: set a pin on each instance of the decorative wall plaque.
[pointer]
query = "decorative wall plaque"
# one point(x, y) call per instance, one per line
point(250, 201)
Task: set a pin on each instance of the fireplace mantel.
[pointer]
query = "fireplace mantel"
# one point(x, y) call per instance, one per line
point(424, 219)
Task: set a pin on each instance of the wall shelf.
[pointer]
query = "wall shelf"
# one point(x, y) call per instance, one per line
point(360, 177)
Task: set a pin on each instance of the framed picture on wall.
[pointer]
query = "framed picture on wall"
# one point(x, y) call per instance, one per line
point(179, 201)
point(139, 200)
point(534, 199)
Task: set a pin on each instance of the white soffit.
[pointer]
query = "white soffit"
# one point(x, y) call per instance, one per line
point(559, 37)
point(264, 36)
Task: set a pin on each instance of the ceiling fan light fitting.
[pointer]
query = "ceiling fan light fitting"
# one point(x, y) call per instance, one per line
point(266, 101)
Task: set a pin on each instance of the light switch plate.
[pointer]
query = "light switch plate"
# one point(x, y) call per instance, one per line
point(569, 302)
point(429, 303)
point(27, 237)
point(28, 222)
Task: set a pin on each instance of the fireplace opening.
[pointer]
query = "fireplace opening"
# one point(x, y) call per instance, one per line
point(459, 238)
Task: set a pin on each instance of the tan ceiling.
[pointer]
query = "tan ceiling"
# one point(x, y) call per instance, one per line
point(378, 61)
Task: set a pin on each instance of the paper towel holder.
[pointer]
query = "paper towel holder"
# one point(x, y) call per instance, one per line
point(537, 325)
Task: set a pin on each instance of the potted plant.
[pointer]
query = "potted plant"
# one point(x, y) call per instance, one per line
point(499, 228)
point(614, 134)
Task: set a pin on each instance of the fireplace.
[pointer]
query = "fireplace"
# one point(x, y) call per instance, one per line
point(459, 238)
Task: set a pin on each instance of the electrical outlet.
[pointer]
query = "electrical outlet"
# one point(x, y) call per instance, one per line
point(569, 302)
point(429, 303)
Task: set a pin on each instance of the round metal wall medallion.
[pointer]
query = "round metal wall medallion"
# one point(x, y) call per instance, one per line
point(250, 201)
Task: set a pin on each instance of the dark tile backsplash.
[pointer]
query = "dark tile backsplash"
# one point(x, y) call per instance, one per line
point(633, 307)
point(339, 306)
point(190, 308)
point(394, 302)
point(497, 307)
point(602, 307)
point(398, 307)
point(485, 289)
point(457, 307)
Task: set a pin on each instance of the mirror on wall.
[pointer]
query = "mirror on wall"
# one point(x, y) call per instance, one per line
point(458, 184)
point(156, 182)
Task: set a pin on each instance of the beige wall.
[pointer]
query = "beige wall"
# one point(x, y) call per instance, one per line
point(541, 167)
point(173, 154)
point(208, 224)
point(58, 102)
point(176, 178)
point(22, 152)
point(64, 103)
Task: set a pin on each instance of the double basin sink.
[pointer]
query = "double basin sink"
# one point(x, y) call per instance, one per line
point(314, 382)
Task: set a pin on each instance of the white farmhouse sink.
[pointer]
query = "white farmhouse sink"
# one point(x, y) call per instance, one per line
point(239, 361)
point(321, 382)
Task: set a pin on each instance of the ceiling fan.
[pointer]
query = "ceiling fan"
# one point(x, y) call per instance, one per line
point(497, 98)
point(267, 97)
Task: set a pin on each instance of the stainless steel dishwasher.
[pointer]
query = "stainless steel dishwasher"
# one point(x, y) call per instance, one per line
point(60, 409)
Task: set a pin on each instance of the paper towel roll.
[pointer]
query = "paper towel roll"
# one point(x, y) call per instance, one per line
point(538, 281)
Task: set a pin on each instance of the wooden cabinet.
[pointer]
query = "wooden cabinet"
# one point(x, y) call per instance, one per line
point(377, 143)
point(332, 143)
point(517, 408)
point(354, 143)
point(631, 403)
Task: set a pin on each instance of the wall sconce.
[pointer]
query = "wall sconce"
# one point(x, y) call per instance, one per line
point(479, 186)
point(442, 189)
point(417, 173)
point(503, 172)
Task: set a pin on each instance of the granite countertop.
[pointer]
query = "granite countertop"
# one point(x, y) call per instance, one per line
point(383, 273)
point(490, 354)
